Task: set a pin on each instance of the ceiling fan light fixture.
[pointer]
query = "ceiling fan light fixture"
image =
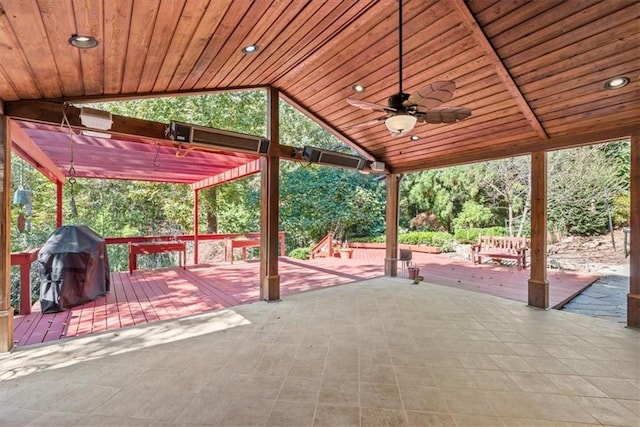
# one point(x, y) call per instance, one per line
point(616, 83)
point(82, 42)
point(400, 124)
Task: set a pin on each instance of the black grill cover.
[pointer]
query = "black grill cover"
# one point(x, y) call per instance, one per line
point(74, 268)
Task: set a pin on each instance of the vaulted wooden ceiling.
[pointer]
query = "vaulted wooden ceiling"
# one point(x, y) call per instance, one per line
point(532, 72)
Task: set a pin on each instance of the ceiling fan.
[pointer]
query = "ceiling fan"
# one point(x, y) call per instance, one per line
point(425, 105)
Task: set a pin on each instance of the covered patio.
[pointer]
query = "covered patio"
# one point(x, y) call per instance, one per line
point(534, 76)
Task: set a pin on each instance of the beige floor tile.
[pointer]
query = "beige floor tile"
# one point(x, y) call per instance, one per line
point(615, 387)
point(588, 367)
point(492, 380)
point(253, 412)
point(608, 411)
point(533, 382)
point(477, 421)
point(370, 417)
point(548, 365)
point(418, 375)
point(18, 417)
point(74, 398)
point(332, 416)
point(429, 419)
point(300, 389)
point(554, 407)
point(632, 405)
point(287, 414)
point(336, 392)
point(513, 405)
point(374, 395)
point(574, 385)
point(511, 363)
point(422, 398)
point(452, 377)
point(204, 409)
point(164, 406)
point(518, 422)
point(377, 373)
point(467, 402)
point(476, 361)
point(336, 369)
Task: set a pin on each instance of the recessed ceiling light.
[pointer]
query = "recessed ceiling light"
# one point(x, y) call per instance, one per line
point(252, 48)
point(616, 82)
point(415, 137)
point(82, 42)
point(358, 88)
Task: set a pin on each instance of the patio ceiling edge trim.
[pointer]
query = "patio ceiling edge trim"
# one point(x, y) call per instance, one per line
point(26, 148)
point(525, 147)
point(247, 169)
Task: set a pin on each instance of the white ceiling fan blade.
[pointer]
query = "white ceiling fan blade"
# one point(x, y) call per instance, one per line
point(444, 115)
point(432, 95)
point(368, 105)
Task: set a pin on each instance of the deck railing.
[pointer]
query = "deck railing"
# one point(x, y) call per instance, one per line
point(25, 259)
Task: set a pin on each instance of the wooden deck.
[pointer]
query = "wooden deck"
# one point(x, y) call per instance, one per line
point(151, 295)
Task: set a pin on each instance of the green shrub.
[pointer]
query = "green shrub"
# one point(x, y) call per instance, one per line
point(370, 239)
point(430, 238)
point(300, 253)
point(470, 235)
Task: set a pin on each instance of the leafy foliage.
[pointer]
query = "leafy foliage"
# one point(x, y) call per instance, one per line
point(473, 215)
point(300, 253)
point(430, 238)
point(470, 235)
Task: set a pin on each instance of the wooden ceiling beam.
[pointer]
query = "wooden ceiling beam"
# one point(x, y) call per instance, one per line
point(29, 151)
point(474, 28)
point(344, 138)
point(53, 113)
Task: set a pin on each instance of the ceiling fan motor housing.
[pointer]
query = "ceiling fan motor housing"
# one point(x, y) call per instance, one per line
point(396, 101)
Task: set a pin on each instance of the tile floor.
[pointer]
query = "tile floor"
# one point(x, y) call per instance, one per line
point(378, 352)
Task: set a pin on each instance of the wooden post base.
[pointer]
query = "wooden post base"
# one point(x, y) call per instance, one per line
point(6, 330)
point(270, 288)
point(538, 293)
point(391, 267)
point(633, 310)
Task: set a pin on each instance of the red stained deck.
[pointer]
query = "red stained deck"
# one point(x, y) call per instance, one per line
point(151, 295)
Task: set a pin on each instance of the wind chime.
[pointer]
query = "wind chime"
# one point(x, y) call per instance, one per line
point(72, 177)
point(22, 198)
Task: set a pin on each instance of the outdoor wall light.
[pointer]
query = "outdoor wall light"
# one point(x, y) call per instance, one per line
point(82, 42)
point(400, 124)
point(252, 48)
point(616, 83)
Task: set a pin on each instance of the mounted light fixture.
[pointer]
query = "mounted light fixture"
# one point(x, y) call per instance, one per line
point(400, 124)
point(617, 83)
point(95, 119)
point(358, 88)
point(252, 48)
point(415, 137)
point(82, 42)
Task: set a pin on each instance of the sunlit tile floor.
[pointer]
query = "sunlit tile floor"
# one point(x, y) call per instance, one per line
point(379, 352)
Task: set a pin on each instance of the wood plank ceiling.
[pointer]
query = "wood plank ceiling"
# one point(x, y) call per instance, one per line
point(532, 72)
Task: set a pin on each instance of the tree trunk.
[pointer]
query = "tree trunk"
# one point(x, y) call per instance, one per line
point(209, 199)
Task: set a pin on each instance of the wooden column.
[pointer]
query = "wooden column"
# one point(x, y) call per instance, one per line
point(6, 311)
point(538, 284)
point(59, 199)
point(269, 200)
point(633, 297)
point(196, 225)
point(393, 197)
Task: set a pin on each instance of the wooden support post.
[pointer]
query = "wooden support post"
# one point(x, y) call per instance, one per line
point(269, 200)
point(538, 284)
point(393, 197)
point(59, 198)
point(196, 225)
point(633, 297)
point(6, 311)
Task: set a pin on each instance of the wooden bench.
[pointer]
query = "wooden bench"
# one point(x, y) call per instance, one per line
point(501, 247)
point(136, 249)
point(239, 244)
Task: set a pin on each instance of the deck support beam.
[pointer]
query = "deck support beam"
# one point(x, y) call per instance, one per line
point(269, 201)
point(538, 284)
point(6, 311)
point(391, 216)
point(196, 224)
point(633, 297)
